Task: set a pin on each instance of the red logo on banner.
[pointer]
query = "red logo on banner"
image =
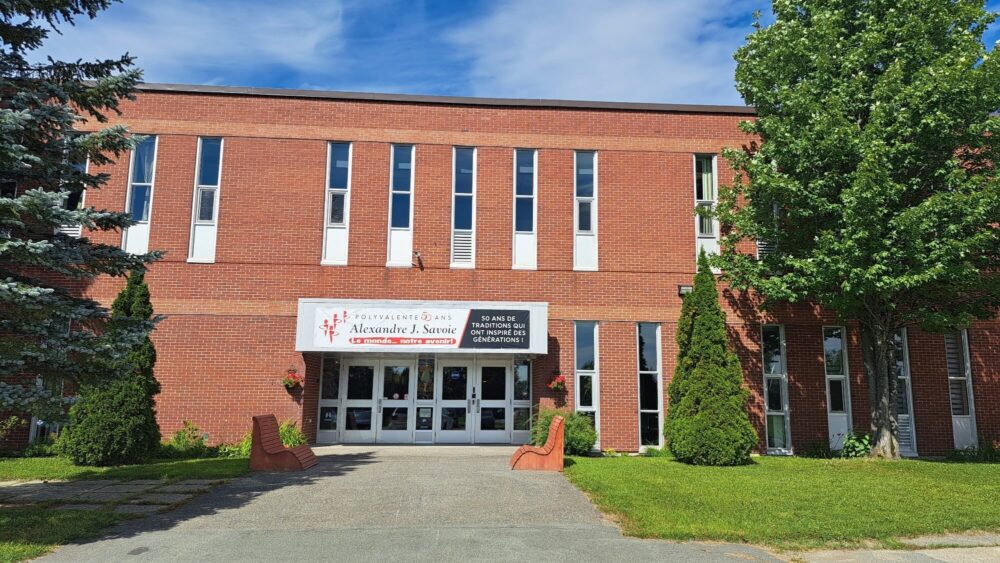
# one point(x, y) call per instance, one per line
point(329, 326)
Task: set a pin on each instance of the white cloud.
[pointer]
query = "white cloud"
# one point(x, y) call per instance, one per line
point(192, 40)
point(629, 50)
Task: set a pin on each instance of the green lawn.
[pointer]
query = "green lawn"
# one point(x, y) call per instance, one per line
point(792, 503)
point(26, 533)
point(31, 468)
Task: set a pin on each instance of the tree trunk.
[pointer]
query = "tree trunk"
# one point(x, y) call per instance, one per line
point(877, 345)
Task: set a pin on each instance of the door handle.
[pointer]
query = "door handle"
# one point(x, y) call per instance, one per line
point(380, 405)
point(469, 406)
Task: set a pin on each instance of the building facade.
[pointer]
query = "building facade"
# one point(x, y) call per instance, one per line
point(431, 265)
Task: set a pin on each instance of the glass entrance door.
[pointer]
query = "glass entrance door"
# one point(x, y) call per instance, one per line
point(359, 401)
point(492, 408)
point(457, 395)
point(395, 403)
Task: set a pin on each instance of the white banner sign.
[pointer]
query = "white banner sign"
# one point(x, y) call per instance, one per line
point(401, 326)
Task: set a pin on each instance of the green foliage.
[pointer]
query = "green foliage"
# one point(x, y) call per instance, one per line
point(792, 503)
point(658, 452)
point(239, 449)
point(10, 424)
point(291, 435)
point(188, 442)
point(111, 424)
point(856, 445)
point(49, 329)
point(707, 422)
point(817, 450)
point(29, 532)
point(988, 451)
point(578, 433)
point(872, 174)
point(126, 390)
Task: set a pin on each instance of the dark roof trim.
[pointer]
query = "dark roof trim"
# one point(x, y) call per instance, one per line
point(443, 100)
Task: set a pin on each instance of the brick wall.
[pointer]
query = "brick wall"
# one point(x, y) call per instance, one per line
point(229, 335)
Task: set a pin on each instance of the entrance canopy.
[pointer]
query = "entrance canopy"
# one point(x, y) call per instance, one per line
point(349, 325)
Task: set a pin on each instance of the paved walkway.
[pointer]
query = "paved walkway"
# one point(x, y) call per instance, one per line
point(392, 503)
point(140, 496)
point(417, 504)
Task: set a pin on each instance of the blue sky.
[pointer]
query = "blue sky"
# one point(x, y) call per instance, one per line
point(676, 51)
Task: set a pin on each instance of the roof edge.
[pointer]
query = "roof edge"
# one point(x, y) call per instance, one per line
point(442, 100)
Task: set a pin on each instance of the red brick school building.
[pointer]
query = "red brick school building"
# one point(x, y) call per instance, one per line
point(431, 264)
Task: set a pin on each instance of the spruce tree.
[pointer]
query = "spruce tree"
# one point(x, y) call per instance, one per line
point(48, 329)
point(707, 421)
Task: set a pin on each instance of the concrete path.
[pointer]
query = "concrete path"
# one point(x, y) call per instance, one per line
point(137, 496)
point(392, 503)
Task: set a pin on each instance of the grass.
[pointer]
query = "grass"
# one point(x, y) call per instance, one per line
point(49, 468)
point(792, 503)
point(26, 533)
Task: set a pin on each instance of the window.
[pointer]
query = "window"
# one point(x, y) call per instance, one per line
point(522, 400)
point(705, 197)
point(775, 388)
point(525, 188)
point(208, 177)
point(585, 210)
point(139, 197)
point(400, 206)
point(338, 200)
point(835, 364)
point(900, 368)
point(586, 369)
point(463, 233)
point(649, 384)
point(959, 390)
point(141, 185)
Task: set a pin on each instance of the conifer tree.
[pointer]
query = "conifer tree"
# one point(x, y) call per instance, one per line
point(707, 421)
point(114, 421)
point(48, 329)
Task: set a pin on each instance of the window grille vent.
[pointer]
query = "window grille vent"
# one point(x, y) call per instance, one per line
point(461, 247)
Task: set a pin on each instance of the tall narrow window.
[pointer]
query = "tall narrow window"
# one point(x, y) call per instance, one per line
point(585, 211)
point(963, 420)
point(139, 199)
point(650, 403)
point(338, 203)
point(463, 228)
point(74, 201)
point(208, 178)
point(525, 187)
point(401, 206)
point(775, 388)
point(838, 400)
point(587, 388)
point(705, 196)
point(522, 401)
point(900, 368)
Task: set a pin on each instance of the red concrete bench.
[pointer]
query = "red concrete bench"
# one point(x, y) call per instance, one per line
point(546, 458)
point(267, 453)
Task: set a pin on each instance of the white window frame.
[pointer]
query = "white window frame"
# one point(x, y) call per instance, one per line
point(966, 376)
point(905, 339)
point(701, 239)
point(592, 233)
point(196, 199)
point(659, 385)
point(454, 198)
point(844, 377)
point(392, 172)
point(783, 377)
point(520, 263)
point(152, 193)
point(76, 231)
point(594, 374)
point(327, 204)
